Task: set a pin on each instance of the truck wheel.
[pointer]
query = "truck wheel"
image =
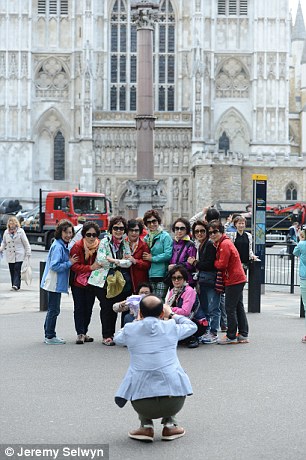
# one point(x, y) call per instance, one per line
point(50, 239)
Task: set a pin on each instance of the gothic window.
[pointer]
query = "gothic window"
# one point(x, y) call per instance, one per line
point(59, 156)
point(164, 58)
point(123, 59)
point(291, 192)
point(52, 7)
point(232, 7)
point(232, 80)
point(224, 142)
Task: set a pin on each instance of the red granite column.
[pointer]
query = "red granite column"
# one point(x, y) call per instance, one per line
point(144, 16)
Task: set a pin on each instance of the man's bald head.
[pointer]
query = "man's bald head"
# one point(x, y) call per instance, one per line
point(151, 305)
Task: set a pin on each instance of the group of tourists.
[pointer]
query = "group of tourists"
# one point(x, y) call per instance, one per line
point(199, 272)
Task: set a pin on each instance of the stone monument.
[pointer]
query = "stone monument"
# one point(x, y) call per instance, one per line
point(145, 192)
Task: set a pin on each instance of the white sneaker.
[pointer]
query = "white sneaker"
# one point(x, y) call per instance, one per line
point(209, 338)
point(54, 341)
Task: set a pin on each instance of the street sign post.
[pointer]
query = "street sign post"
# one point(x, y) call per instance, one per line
point(257, 270)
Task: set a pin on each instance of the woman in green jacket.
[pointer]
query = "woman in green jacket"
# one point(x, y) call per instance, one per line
point(160, 244)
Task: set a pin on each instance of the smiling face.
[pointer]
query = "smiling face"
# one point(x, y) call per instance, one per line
point(133, 234)
point(240, 225)
point(67, 234)
point(200, 233)
point(118, 230)
point(180, 230)
point(214, 234)
point(177, 279)
point(90, 235)
point(152, 223)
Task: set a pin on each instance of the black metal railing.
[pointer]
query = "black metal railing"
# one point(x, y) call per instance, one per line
point(282, 269)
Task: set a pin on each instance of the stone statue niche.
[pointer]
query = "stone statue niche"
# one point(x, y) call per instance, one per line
point(224, 142)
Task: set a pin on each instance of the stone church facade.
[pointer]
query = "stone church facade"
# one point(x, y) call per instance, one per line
point(230, 100)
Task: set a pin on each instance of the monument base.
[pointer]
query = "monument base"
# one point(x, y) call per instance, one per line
point(142, 195)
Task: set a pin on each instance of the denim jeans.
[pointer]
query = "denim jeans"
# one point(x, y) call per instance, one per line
point(210, 305)
point(15, 272)
point(303, 293)
point(84, 299)
point(236, 317)
point(54, 302)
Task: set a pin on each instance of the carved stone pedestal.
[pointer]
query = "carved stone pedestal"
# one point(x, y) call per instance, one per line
point(145, 194)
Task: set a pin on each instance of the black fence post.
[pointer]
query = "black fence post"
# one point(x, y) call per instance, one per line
point(302, 310)
point(254, 291)
point(292, 274)
point(43, 295)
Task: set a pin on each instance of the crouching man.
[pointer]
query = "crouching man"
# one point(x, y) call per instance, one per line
point(155, 382)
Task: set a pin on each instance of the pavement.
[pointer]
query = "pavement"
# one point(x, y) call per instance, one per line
point(248, 402)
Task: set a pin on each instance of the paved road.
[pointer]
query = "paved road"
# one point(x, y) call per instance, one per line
point(248, 400)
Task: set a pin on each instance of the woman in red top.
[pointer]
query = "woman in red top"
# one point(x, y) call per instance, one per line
point(228, 261)
point(83, 295)
point(139, 268)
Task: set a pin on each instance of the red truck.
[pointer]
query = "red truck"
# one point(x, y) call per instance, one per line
point(65, 205)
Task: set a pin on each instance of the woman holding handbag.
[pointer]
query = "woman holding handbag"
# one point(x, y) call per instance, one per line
point(207, 273)
point(112, 280)
point(17, 247)
point(83, 295)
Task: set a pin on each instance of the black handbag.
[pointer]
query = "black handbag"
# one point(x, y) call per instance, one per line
point(207, 279)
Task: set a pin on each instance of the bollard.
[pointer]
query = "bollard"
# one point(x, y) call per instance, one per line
point(43, 295)
point(302, 310)
point(254, 291)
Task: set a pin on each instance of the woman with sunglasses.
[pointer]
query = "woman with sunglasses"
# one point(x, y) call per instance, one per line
point(183, 247)
point(228, 261)
point(83, 296)
point(113, 253)
point(160, 245)
point(140, 267)
point(205, 264)
point(183, 300)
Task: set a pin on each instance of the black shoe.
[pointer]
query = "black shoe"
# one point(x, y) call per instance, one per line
point(193, 343)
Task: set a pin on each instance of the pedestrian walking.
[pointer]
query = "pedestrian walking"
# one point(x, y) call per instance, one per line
point(17, 247)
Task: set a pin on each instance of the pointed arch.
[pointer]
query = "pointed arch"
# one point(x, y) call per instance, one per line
point(291, 191)
point(236, 129)
point(51, 135)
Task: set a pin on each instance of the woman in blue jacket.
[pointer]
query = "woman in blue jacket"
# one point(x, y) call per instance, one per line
point(160, 244)
point(300, 251)
point(55, 277)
